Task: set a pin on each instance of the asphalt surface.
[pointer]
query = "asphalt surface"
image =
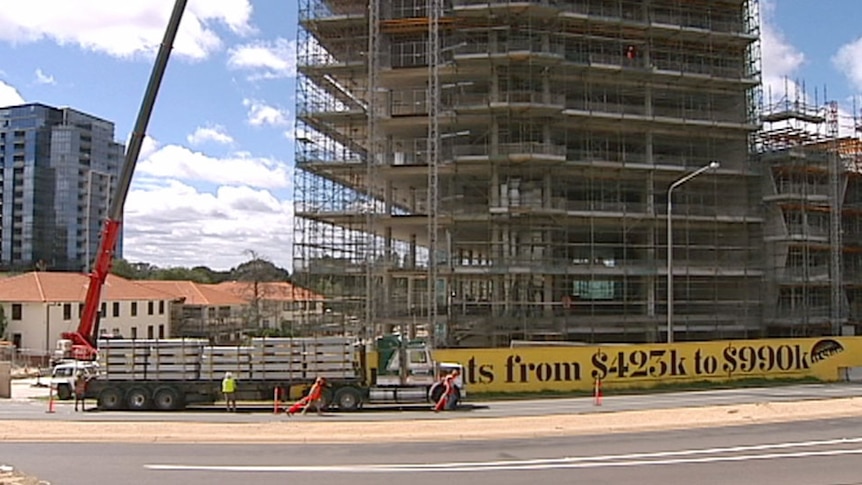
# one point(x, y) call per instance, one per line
point(826, 451)
point(814, 452)
point(28, 409)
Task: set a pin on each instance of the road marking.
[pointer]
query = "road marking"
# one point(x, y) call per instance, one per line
point(599, 461)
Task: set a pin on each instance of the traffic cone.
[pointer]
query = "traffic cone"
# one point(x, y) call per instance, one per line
point(598, 392)
point(50, 399)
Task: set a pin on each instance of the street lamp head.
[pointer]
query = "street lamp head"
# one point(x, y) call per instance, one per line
point(714, 165)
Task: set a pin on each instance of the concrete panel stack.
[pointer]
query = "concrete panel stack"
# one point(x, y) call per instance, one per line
point(330, 357)
point(216, 361)
point(146, 359)
point(303, 358)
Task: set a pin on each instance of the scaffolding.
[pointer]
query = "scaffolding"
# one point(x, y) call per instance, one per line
point(483, 171)
point(811, 198)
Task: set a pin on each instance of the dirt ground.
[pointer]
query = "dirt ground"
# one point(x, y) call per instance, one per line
point(299, 429)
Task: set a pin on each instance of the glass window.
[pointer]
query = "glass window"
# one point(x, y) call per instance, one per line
point(134, 308)
point(67, 311)
point(16, 311)
point(116, 309)
point(150, 308)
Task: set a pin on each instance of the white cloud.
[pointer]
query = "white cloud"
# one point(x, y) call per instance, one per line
point(848, 60)
point(260, 113)
point(178, 162)
point(42, 78)
point(781, 60)
point(216, 133)
point(9, 96)
point(123, 29)
point(265, 60)
point(169, 223)
point(172, 220)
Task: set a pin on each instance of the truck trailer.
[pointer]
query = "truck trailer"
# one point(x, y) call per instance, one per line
point(169, 374)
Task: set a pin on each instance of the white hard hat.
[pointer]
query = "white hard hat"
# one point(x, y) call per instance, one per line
point(228, 374)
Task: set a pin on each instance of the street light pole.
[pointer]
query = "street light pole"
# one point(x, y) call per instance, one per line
point(680, 181)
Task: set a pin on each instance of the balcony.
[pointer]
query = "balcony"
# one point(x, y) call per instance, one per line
point(520, 151)
point(532, 49)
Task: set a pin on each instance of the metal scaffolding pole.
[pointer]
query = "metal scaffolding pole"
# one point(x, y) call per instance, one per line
point(434, 7)
point(835, 246)
point(372, 152)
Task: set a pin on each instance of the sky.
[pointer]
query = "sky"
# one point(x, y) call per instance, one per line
point(214, 180)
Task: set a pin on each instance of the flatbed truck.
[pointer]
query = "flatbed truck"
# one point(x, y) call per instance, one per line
point(170, 374)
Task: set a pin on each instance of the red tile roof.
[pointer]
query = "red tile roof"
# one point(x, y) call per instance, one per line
point(277, 291)
point(44, 286)
point(195, 293)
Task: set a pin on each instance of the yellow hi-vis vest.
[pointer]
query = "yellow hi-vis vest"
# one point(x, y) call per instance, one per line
point(228, 384)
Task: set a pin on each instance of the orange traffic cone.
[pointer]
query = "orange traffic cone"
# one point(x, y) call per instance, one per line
point(598, 392)
point(50, 399)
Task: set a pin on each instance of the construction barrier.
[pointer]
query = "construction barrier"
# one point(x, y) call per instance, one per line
point(51, 389)
point(577, 368)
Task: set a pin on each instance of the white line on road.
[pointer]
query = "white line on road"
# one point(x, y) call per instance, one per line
point(622, 460)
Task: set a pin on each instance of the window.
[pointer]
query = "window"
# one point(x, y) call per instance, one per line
point(67, 311)
point(80, 309)
point(161, 331)
point(134, 308)
point(149, 331)
point(150, 308)
point(104, 310)
point(162, 307)
point(16, 311)
point(134, 332)
point(116, 309)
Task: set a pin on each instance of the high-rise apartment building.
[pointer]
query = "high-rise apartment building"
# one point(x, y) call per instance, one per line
point(60, 167)
point(491, 170)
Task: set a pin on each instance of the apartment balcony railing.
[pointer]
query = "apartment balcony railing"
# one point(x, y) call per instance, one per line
point(802, 189)
point(537, 98)
point(812, 274)
point(803, 230)
point(506, 149)
point(322, 9)
point(533, 46)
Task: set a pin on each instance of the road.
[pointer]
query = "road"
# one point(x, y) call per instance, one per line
point(23, 409)
point(812, 452)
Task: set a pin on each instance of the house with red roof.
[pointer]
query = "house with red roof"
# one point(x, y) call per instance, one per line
point(204, 311)
point(39, 306)
point(280, 305)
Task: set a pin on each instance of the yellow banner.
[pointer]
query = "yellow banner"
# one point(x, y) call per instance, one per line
point(532, 369)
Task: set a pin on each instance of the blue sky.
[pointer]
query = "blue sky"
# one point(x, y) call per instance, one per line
point(215, 177)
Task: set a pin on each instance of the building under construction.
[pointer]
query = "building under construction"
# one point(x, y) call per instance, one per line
point(490, 170)
point(812, 197)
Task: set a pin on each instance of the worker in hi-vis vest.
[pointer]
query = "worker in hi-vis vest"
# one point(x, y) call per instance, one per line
point(228, 388)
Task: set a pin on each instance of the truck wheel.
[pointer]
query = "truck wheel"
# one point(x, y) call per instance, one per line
point(435, 393)
point(110, 399)
point(167, 399)
point(348, 399)
point(138, 399)
point(454, 400)
point(64, 392)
